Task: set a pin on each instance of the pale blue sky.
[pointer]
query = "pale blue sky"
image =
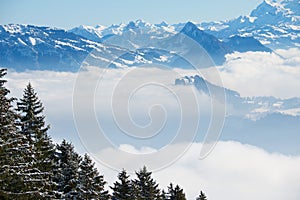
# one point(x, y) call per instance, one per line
point(71, 13)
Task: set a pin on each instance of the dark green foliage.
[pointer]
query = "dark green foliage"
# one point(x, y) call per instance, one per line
point(175, 193)
point(32, 126)
point(32, 122)
point(16, 169)
point(7, 133)
point(66, 173)
point(145, 187)
point(164, 195)
point(122, 189)
point(201, 196)
point(91, 183)
point(7, 114)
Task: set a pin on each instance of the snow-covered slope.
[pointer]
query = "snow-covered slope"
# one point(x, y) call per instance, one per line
point(24, 47)
point(274, 23)
point(89, 32)
point(31, 47)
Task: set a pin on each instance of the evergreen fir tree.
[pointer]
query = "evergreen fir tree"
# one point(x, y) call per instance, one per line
point(66, 174)
point(91, 184)
point(122, 189)
point(175, 193)
point(32, 125)
point(201, 196)
point(7, 114)
point(146, 188)
point(9, 140)
point(19, 179)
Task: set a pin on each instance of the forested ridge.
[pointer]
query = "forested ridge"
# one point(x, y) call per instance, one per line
point(32, 166)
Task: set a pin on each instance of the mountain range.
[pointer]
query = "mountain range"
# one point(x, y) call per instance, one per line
point(275, 24)
point(270, 25)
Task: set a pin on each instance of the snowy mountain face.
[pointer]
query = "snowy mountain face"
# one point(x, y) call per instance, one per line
point(89, 32)
point(274, 23)
point(25, 47)
point(32, 47)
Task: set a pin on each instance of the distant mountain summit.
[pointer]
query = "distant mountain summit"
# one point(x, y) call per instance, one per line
point(274, 23)
point(214, 47)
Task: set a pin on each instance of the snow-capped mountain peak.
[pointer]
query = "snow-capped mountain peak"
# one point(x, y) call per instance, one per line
point(273, 23)
point(271, 11)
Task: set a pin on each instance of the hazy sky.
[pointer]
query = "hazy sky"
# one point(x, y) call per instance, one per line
point(71, 13)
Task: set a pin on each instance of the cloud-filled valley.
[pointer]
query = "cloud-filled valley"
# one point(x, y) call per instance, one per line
point(249, 74)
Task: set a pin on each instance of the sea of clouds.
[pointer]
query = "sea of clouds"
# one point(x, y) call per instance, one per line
point(232, 171)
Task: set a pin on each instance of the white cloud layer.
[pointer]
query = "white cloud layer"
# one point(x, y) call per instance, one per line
point(251, 74)
point(144, 103)
point(263, 74)
point(232, 171)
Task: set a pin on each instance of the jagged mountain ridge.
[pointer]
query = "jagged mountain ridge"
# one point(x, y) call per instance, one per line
point(273, 24)
point(24, 47)
point(43, 48)
point(276, 24)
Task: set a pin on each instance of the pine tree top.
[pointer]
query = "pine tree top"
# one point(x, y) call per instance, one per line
point(202, 196)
